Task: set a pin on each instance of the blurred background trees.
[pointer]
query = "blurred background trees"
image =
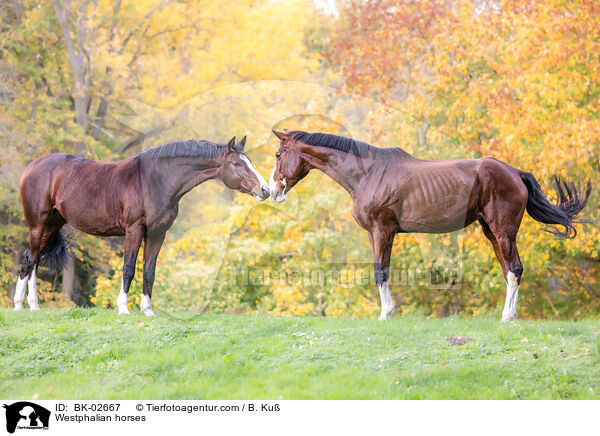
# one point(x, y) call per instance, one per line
point(442, 79)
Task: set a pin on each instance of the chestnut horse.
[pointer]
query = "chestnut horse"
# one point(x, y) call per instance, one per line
point(137, 197)
point(394, 192)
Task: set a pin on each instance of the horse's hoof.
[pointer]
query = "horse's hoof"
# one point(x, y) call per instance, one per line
point(123, 311)
point(33, 304)
point(146, 305)
point(507, 318)
point(18, 306)
point(386, 314)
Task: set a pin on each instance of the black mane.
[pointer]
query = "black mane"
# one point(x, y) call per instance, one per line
point(348, 145)
point(189, 148)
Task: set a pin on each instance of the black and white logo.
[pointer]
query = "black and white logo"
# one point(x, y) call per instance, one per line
point(26, 415)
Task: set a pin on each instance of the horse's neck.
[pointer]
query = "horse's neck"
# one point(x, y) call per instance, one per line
point(347, 169)
point(179, 175)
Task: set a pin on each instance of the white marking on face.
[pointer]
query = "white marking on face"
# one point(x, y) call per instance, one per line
point(20, 293)
point(32, 298)
point(387, 302)
point(278, 195)
point(512, 293)
point(122, 301)
point(261, 179)
point(146, 305)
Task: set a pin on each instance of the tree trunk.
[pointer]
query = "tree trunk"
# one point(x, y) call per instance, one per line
point(422, 132)
point(13, 285)
point(79, 60)
point(68, 278)
point(68, 272)
point(320, 311)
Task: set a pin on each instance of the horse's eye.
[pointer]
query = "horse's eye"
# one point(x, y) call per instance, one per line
point(237, 164)
point(278, 154)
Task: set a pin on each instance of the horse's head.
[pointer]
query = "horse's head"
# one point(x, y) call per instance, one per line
point(289, 169)
point(237, 172)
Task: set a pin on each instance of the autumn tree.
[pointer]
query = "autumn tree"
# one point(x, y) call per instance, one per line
point(515, 80)
point(104, 79)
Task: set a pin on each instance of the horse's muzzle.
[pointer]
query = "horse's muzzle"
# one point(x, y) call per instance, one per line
point(265, 192)
point(277, 194)
point(263, 195)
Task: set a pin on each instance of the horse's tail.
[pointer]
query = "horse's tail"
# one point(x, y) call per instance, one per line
point(564, 213)
point(54, 254)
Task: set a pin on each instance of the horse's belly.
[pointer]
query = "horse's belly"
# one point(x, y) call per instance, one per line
point(96, 228)
point(436, 196)
point(433, 227)
point(92, 222)
point(90, 212)
point(447, 213)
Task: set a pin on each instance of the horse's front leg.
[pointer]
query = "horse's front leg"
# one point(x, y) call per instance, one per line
point(152, 244)
point(382, 240)
point(133, 240)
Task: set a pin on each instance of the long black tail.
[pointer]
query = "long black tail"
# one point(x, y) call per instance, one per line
point(564, 213)
point(54, 254)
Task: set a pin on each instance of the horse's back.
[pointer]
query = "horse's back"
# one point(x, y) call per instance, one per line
point(459, 190)
point(110, 189)
point(436, 196)
point(95, 197)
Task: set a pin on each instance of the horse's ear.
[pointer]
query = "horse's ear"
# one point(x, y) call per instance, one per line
point(242, 144)
point(281, 135)
point(231, 145)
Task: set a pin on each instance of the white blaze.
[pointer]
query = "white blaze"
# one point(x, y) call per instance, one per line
point(512, 293)
point(261, 179)
point(277, 194)
point(387, 302)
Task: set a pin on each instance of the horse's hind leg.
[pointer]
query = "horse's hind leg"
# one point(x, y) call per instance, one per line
point(39, 235)
point(504, 241)
point(21, 288)
point(27, 276)
point(52, 225)
point(510, 254)
point(37, 208)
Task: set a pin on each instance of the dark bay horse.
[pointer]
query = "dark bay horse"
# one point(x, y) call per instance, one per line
point(394, 192)
point(137, 197)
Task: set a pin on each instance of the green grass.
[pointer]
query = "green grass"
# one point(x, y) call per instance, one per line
point(96, 354)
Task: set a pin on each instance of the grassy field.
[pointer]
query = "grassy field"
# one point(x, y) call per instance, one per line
point(95, 354)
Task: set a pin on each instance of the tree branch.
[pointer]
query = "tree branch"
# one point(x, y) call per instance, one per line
point(138, 139)
point(158, 7)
